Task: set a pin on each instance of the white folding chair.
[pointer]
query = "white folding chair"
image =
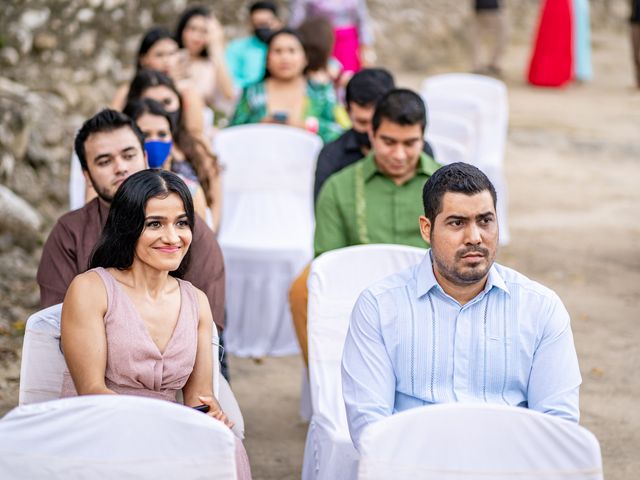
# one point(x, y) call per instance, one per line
point(478, 442)
point(114, 437)
point(449, 151)
point(43, 365)
point(266, 231)
point(335, 281)
point(487, 103)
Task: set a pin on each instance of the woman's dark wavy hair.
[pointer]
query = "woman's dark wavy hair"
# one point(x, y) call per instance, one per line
point(189, 13)
point(137, 108)
point(125, 223)
point(149, 40)
point(274, 35)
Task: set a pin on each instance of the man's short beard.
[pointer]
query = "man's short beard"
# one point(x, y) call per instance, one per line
point(462, 278)
point(104, 196)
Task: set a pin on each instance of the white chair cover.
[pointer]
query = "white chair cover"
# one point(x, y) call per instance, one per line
point(335, 281)
point(448, 126)
point(266, 231)
point(114, 437)
point(478, 442)
point(77, 184)
point(449, 151)
point(43, 365)
point(484, 101)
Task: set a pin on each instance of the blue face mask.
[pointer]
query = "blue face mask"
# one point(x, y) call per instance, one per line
point(157, 152)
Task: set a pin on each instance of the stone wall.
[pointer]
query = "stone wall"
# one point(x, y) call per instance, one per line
point(61, 60)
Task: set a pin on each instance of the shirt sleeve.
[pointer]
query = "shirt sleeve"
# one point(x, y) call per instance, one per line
point(242, 114)
point(206, 269)
point(58, 266)
point(330, 230)
point(368, 380)
point(364, 24)
point(555, 379)
point(328, 128)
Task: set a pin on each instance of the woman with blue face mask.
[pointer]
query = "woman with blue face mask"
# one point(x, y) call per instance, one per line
point(155, 124)
point(191, 155)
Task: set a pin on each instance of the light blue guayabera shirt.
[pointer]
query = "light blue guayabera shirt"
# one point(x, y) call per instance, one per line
point(246, 59)
point(410, 344)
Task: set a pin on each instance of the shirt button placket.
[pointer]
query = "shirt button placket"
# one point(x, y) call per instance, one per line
point(461, 356)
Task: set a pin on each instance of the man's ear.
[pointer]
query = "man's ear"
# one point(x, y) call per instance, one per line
point(425, 228)
point(87, 177)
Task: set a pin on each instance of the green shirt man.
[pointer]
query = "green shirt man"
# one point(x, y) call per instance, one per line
point(377, 199)
point(360, 204)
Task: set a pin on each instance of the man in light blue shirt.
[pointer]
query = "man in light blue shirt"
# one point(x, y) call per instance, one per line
point(247, 57)
point(458, 327)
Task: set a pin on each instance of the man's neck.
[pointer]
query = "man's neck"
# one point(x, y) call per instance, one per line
point(460, 293)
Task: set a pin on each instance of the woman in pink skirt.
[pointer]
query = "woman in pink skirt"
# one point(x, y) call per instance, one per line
point(350, 20)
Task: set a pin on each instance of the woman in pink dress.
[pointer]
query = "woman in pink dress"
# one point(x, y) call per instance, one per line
point(552, 58)
point(353, 46)
point(130, 325)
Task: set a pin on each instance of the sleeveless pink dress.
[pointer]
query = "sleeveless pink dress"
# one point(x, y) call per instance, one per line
point(135, 365)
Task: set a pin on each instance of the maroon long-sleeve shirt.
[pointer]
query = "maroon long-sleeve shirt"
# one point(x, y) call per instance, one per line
point(68, 248)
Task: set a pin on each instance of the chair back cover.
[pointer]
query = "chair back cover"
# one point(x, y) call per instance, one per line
point(448, 150)
point(483, 101)
point(42, 366)
point(336, 280)
point(266, 231)
point(453, 127)
point(478, 442)
point(491, 96)
point(77, 184)
point(114, 437)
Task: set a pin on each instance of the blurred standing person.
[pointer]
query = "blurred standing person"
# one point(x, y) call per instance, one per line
point(583, 70)
point(246, 57)
point(489, 21)
point(552, 58)
point(285, 95)
point(201, 36)
point(350, 19)
point(635, 37)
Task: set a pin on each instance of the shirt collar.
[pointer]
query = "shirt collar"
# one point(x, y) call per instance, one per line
point(426, 165)
point(427, 280)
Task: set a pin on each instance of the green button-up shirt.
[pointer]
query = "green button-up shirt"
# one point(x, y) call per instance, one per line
point(361, 205)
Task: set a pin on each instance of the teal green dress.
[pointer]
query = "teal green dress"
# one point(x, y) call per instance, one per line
point(320, 103)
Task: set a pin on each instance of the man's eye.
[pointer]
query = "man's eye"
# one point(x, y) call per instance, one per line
point(455, 223)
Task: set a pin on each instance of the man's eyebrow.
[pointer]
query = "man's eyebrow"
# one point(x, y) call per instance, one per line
point(456, 217)
point(109, 155)
point(485, 215)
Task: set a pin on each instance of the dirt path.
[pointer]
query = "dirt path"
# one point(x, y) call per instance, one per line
point(573, 164)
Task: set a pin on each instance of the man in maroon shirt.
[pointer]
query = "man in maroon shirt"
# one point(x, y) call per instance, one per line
point(110, 147)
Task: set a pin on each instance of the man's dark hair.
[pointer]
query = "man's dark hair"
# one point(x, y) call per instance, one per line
point(368, 86)
point(125, 222)
point(263, 6)
point(104, 121)
point(401, 106)
point(457, 178)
